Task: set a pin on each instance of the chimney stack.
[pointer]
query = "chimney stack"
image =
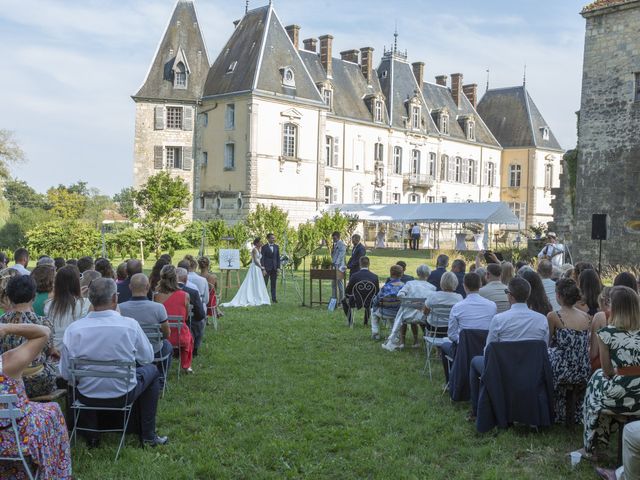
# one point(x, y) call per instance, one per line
point(441, 80)
point(471, 92)
point(456, 88)
point(418, 72)
point(311, 45)
point(326, 44)
point(235, 23)
point(294, 34)
point(366, 63)
point(350, 56)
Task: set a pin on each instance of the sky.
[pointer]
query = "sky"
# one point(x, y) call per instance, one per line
point(71, 66)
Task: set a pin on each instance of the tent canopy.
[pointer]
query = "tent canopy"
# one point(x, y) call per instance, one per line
point(483, 212)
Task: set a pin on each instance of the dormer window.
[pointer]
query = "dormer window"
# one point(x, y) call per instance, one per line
point(471, 130)
point(327, 94)
point(180, 76)
point(444, 124)
point(415, 117)
point(377, 112)
point(232, 66)
point(288, 77)
point(545, 133)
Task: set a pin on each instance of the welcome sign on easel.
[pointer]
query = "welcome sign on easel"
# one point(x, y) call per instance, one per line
point(230, 262)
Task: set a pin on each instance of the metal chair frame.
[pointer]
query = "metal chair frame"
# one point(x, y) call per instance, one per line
point(13, 413)
point(438, 317)
point(363, 292)
point(154, 334)
point(176, 322)
point(388, 302)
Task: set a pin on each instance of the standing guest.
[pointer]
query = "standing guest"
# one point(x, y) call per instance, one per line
point(124, 292)
point(569, 330)
point(415, 236)
point(590, 287)
point(21, 258)
point(146, 312)
point(357, 251)
point(494, 289)
point(85, 263)
point(59, 262)
point(271, 262)
point(196, 309)
point(5, 276)
point(442, 262)
point(40, 377)
point(626, 279)
point(537, 301)
point(389, 289)
point(545, 270)
point(507, 273)
point(615, 386)
point(67, 304)
point(338, 252)
point(44, 276)
point(600, 320)
point(200, 282)
point(446, 296)
point(552, 251)
point(104, 334)
point(176, 303)
point(459, 267)
point(104, 268)
point(363, 274)
point(154, 277)
point(41, 425)
point(121, 273)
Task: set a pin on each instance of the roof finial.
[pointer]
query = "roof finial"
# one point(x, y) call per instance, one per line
point(524, 77)
point(246, 7)
point(488, 72)
point(395, 39)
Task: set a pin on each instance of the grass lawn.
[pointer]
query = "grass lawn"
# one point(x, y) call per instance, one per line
point(291, 392)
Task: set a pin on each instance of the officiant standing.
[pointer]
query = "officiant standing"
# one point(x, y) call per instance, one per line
point(271, 263)
point(338, 253)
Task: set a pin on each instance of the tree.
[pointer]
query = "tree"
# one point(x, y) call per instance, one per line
point(68, 238)
point(13, 234)
point(126, 204)
point(66, 204)
point(10, 152)
point(21, 195)
point(95, 205)
point(327, 223)
point(264, 220)
point(161, 201)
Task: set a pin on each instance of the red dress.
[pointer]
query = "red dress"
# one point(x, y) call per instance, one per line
point(175, 306)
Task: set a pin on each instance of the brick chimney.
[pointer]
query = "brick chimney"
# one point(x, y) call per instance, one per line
point(350, 55)
point(366, 62)
point(471, 92)
point(456, 88)
point(418, 72)
point(311, 45)
point(294, 34)
point(441, 80)
point(326, 50)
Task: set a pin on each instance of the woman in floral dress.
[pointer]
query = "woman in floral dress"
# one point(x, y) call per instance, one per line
point(616, 386)
point(43, 433)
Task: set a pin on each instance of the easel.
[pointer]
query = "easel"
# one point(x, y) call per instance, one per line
point(229, 280)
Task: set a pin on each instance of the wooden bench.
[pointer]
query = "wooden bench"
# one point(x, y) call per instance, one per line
point(52, 397)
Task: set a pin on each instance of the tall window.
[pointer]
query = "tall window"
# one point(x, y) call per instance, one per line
point(471, 130)
point(548, 176)
point(444, 168)
point(174, 157)
point(515, 175)
point(327, 93)
point(415, 162)
point(518, 209)
point(289, 140)
point(397, 160)
point(415, 117)
point(471, 171)
point(230, 116)
point(491, 174)
point(377, 196)
point(357, 193)
point(431, 199)
point(377, 115)
point(229, 156)
point(432, 165)
point(457, 175)
point(396, 198)
point(379, 152)
point(414, 198)
point(180, 76)
point(328, 194)
point(174, 117)
point(328, 150)
point(444, 124)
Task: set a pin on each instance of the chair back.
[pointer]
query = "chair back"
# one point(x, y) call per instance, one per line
point(12, 413)
point(412, 302)
point(391, 302)
point(439, 315)
point(363, 293)
point(176, 322)
point(118, 370)
point(471, 343)
point(153, 333)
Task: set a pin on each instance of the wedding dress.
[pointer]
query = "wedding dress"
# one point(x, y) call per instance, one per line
point(253, 291)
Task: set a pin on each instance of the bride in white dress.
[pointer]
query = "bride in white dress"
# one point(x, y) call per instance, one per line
point(253, 291)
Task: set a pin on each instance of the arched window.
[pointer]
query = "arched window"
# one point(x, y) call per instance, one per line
point(290, 140)
point(397, 160)
point(328, 194)
point(458, 170)
point(444, 167)
point(357, 193)
point(414, 198)
point(415, 162)
point(180, 76)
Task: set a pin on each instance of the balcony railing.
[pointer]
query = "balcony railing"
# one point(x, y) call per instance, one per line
point(418, 180)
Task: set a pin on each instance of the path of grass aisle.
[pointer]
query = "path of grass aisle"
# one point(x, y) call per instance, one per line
point(290, 392)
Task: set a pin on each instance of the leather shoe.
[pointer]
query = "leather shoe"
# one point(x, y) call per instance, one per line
point(274, 301)
point(157, 440)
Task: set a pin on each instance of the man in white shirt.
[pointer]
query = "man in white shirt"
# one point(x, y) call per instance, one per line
point(552, 251)
point(104, 334)
point(200, 283)
point(545, 269)
point(474, 312)
point(494, 289)
point(21, 257)
point(519, 323)
point(415, 236)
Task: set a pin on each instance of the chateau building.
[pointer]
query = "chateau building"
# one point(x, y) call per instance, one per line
point(283, 121)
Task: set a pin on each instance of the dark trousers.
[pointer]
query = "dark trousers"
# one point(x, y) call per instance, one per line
point(447, 349)
point(273, 276)
point(197, 331)
point(415, 242)
point(475, 372)
point(167, 349)
point(145, 393)
point(348, 303)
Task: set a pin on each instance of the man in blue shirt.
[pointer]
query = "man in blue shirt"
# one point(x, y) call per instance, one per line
point(442, 263)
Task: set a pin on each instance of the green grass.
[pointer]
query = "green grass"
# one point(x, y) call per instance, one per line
point(291, 392)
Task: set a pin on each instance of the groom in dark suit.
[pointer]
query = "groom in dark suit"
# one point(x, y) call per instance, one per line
point(357, 252)
point(271, 263)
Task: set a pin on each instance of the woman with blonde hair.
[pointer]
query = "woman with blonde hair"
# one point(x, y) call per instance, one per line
point(600, 320)
point(507, 272)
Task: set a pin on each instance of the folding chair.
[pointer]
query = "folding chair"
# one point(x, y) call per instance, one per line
point(412, 303)
point(13, 413)
point(176, 322)
point(438, 318)
point(154, 334)
point(363, 293)
point(389, 307)
point(114, 369)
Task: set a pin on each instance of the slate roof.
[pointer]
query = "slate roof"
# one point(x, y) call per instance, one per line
point(260, 48)
point(182, 32)
point(514, 119)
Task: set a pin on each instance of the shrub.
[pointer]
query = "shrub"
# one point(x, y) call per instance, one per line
point(68, 238)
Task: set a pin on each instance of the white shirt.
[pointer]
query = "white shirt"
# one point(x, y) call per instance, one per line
point(443, 298)
point(20, 269)
point(202, 286)
point(414, 289)
point(550, 290)
point(518, 323)
point(494, 291)
point(474, 312)
point(555, 253)
point(415, 230)
point(61, 322)
point(105, 335)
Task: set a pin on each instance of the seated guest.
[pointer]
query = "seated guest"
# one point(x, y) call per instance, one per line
point(580, 267)
point(104, 334)
point(459, 268)
point(44, 276)
point(21, 258)
point(630, 455)
point(121, 273)
point(363, 274)
point(176, 303)
point(507, 273)
point(104, 268)
point(72, 261)
point(40, 377)
point(85, 280)
point(626, 279)
point(446, 296)
point(146, 312)
point(441, 267)
point(197, 317)
point(474, 312)
point(419, 288)
point(537, 301)
point(41, 425)
point(482, 273)
point(388, 291)
point(600, 320)
point(4, 260)
point(84, 264)
point(46, 261)
point(213, 309)
point(615, 386)
point(67, 304)
point(59, 262)
point(590, 287)
point(5, 276)
point(405, 278)
point(494, 289)
point(197, 280)
point(154, 276)
point(124, 292)
point(569, 351)
point(516, 324)
point(545, 270)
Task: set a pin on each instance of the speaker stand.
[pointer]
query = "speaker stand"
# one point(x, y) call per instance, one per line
point(600, 258)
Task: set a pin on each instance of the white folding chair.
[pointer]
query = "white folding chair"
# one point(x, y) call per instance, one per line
point(176, 322)
point(13, 413)
point(118, 370)
point(437, 318)
point(389, 307)
point(154, 334)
